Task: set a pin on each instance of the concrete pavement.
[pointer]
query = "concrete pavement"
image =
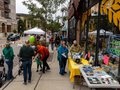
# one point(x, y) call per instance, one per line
point(51, 80)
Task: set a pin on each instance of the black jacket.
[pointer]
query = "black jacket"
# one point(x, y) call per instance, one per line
point(26, 52)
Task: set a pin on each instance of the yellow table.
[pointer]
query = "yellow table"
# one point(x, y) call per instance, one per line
point(74, 68)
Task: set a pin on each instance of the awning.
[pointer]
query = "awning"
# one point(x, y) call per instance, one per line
point(35, 30)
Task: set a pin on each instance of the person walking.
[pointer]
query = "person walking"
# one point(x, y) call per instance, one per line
point(44, 52)
point(26, 53)
point(52, 42)
point(39, 63)
point(57, 41)
point(62, 57)
point(9, 56)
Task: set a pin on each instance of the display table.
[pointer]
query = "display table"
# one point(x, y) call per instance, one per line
point(74, 67)
point(97, 78)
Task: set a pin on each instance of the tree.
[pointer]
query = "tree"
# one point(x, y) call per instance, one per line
point(21, 26)
point(44, 12)
point(54, 26)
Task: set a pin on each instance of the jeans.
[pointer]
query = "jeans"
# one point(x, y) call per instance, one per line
point(10, 68)
point(27, 70)
point(39, 65)
point(52, 46)
point(45, 64)
point(62, 65)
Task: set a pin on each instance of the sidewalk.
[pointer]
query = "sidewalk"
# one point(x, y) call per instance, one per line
point(3, 38)
point(51, 80)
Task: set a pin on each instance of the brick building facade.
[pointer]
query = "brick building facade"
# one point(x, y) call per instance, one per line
point(8, 21)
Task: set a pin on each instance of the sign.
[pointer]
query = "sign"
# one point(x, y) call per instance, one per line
point(114, 45)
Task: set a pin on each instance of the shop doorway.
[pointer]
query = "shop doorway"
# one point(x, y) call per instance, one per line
point(3, 28)
point(8, 28)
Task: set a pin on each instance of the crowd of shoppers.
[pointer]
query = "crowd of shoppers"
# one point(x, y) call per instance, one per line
point(39, 53)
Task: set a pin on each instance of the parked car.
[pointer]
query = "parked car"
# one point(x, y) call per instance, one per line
point(13, 37)
point(9, 36)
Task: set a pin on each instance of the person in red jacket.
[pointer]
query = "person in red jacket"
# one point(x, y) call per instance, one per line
point(44, 56)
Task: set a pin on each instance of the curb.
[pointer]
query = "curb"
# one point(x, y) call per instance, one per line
point(15, 73)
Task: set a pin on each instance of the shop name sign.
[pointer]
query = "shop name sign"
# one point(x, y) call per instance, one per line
point(115, 46)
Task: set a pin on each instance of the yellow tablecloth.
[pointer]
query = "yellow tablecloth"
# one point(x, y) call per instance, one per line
point(74, 68)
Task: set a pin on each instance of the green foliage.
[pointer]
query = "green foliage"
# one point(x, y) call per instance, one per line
point(43, 13)
point(54, 26)
point(14, 31)
point(21, 26)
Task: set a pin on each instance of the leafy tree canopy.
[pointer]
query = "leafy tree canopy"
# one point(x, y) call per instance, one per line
point(43, 12)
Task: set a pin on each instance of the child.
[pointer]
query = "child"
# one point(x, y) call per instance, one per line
point(39, 64)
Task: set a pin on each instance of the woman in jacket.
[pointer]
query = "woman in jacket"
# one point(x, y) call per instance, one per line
point(62, 57)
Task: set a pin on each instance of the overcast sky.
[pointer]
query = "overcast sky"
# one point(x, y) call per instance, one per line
point(20, 8)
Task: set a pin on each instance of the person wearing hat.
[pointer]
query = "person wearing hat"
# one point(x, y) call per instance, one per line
point(26, 53)
point(75, 48)
point(9, 56)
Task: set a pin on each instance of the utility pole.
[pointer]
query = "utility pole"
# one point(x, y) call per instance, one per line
point(87, 30)
point(96, 63)
point(46, 29)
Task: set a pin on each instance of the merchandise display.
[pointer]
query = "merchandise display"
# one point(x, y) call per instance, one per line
point(74, 67)
point(93, 80)
point(96, 77)
point(77, 57)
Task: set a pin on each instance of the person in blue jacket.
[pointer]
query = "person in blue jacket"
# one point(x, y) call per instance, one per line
point(62, 57)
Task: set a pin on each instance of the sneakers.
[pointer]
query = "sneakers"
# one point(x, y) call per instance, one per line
point(61, 74)
point(36, 70)
point(44, 72)
point(65, 72)
point(29, 81)
point(25, 83)
point(41, 69)
point(47, 69)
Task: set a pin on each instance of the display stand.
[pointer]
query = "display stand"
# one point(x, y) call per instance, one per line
point(97, 79)
point(118, 77)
